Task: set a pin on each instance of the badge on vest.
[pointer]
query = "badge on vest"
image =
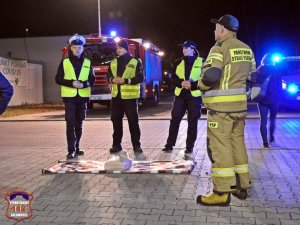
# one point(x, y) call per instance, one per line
point(130, 66)
point(213, 125)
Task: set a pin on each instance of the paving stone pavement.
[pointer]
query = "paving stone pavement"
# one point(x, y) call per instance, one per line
point(26, 147)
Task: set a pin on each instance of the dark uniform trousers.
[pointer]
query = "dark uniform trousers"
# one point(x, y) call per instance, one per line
point(130, 108)
point(75, 113)
point(182, 104)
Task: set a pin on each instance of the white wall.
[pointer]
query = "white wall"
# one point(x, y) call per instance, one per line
point(45, 50)
point(32, 93)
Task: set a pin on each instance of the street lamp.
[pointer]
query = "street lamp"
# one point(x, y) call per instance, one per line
point(99, 19)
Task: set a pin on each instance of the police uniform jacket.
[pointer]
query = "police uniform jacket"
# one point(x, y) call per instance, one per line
point(122, 62)
point(77, 64)
point(6, 92)
point(176, 81)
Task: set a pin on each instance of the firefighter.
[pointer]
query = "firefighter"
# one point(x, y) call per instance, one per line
point(185, 78)
point(125, 75)
point(6, 92)
point(76, 76)
point(223, 82)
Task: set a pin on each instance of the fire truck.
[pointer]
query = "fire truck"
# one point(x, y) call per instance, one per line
point(102, 49)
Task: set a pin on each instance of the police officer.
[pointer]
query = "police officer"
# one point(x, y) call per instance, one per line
point(6, 92)
point(223, 82)
point(185, 78)
point(270, 102)
point(75, 75)
point(125, 75)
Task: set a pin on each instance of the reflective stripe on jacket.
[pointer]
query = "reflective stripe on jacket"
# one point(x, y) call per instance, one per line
point(128, 91)
point(69, 74)
point(194, 76)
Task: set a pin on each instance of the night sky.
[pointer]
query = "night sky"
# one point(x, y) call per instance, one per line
point(264, 25)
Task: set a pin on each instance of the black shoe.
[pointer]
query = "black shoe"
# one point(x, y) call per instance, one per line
point(79, 152)
point(137, 149)
point(266, 145)
point(272, 139)
point(115, 149)
point(188, 151)
point(71, 155)
point(240, 194)
point(167, 149)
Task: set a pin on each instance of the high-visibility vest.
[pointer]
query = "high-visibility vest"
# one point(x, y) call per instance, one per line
point(128, 91)
point(70, 75)
point(194, 76)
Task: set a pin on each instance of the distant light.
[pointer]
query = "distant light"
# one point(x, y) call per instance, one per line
point(113, 33)
point(160, 53)
point(283, 85)
point(165, 72)
point(276, 58)
point(147, 45)
point(292, 89)
point(117, 39)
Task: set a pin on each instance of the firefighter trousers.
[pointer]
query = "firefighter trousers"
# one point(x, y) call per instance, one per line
point(119, 107)
point(227, 152)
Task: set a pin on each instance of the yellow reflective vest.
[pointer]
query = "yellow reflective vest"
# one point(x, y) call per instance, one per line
point(70, 75)
point(194, 76)
point(128, 91)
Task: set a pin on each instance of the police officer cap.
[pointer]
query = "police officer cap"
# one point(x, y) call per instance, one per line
point(190, 44)
point(77, 40)
point(228, 21)
point(123, 44)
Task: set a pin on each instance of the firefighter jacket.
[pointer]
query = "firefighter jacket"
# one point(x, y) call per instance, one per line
point(71, 69)
point(236, 61)
point(131, 72)
point(192, 77)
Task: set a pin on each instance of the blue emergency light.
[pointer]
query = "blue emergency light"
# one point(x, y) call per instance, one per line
point(113, 33)
point(292, 89)
point(276, 58)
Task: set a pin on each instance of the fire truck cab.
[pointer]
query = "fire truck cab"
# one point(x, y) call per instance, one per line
point(101, 50)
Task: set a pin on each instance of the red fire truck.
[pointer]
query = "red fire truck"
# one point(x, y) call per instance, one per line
point(101, 50)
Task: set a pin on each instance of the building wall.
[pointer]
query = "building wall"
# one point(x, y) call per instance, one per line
point(44, 50)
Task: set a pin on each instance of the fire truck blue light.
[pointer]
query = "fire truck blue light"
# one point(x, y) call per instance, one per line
point(113, 33)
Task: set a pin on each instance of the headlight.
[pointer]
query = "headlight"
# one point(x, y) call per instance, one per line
point(283, 85)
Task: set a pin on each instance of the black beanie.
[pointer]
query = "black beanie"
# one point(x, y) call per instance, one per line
point(123, 44)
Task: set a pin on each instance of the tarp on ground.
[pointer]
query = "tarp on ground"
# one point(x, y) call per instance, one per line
point(92, 166)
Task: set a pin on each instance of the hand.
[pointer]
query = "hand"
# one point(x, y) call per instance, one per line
point(121, 80)
point(76, 83)
point(186, 84)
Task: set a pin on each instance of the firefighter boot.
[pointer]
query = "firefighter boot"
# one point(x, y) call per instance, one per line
point(214, 199)
point(240, 194)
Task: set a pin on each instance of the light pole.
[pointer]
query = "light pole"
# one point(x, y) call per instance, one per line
point(99, 19)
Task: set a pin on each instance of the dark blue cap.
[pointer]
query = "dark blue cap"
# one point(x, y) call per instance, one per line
point(228, 21)
point(190, 44)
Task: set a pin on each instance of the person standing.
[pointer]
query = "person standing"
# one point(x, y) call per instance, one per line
point(185, 78)
point(270, 102)
point(223, 82)
point(125, 75)
point(6, 92)
point(75, 75)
